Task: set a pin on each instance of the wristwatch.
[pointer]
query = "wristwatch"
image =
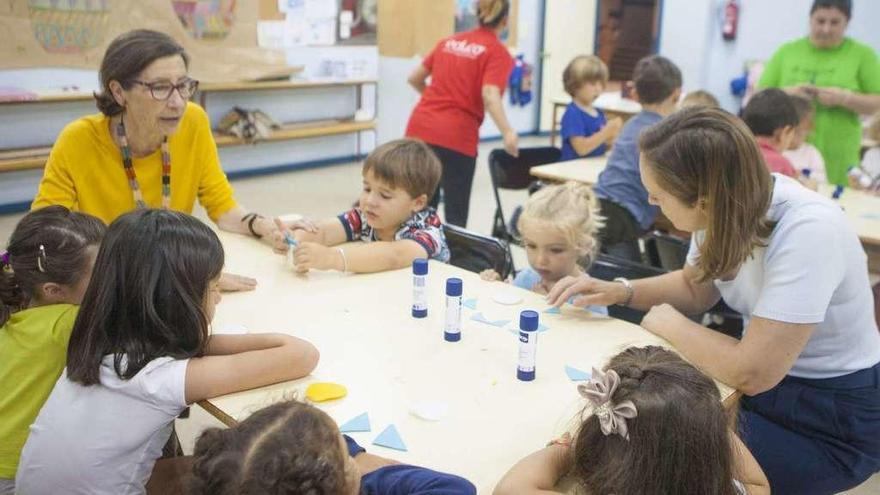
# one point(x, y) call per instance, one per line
point(629, 290)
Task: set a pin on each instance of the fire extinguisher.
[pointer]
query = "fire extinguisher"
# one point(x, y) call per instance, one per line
point(731, 17)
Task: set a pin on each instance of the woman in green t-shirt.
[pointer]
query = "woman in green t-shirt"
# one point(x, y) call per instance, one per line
point(840, 75)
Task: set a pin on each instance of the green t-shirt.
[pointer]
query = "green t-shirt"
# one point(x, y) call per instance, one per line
point(851, 66)
point(33, 352)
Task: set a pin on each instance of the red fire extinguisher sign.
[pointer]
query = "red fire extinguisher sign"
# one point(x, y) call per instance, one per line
point(731, 17)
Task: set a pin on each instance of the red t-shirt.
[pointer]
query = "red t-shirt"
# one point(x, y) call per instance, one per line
point(451, 110)
point(776, 161)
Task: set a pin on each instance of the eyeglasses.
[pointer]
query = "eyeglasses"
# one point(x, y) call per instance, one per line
point(162, 90)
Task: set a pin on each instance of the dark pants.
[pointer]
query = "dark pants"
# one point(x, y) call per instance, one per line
point(456, 181)
point(816, 436)
point(620, 236)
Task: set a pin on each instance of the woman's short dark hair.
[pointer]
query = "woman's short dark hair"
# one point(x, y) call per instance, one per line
point(680, 419)
point(147, 294)
point(126, 57)
point(844, 6)
point(289, 447)
point(64, 236)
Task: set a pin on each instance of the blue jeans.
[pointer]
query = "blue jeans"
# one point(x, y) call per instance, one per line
point(816, 436)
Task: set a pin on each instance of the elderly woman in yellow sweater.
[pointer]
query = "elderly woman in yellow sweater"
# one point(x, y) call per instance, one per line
point(148, 148)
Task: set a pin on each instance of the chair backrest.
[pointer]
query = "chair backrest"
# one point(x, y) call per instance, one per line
point(509, 172)
point(607, 267)
point(475, 252)
point(667, 251)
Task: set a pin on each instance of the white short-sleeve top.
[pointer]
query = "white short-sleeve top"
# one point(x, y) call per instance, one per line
point(813, 270)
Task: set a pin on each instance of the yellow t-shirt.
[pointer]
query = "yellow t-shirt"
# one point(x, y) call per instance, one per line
point(85, 171)
point(33, 352)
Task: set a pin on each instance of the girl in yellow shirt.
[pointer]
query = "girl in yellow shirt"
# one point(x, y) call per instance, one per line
point(43, 277)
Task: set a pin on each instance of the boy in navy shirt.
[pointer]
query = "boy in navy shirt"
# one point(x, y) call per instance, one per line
point(585, 130)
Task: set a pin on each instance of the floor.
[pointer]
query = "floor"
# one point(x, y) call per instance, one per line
point(296, 192)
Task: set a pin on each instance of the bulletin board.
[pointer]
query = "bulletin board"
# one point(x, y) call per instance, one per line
point(413, 27)
point(220, 37)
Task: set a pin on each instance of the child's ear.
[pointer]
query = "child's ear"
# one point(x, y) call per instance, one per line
point(419, 202)
point(784, 135)
point(51, 292)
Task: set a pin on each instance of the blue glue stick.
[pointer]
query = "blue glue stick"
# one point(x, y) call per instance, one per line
point(528, 345)
point(291, 246)
point(420, 294)
point(838, 191)
point(452, 329)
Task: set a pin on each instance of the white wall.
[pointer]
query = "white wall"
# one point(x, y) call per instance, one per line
point(691, 37)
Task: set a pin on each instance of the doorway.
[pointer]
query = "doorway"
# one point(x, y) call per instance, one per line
point(626, 31)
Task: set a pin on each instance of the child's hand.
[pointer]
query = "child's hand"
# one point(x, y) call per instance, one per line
point(310, 255)
point(230, 282)
point(490, 275)
point(278, 239)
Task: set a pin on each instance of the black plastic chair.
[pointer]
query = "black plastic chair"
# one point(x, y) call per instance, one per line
point(666, 251)
point(475, 252)
point(512, 173)
point(607, 267)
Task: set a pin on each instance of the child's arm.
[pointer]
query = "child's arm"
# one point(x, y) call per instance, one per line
point(537, 473)
point(365, 257)
point(746, 469)
point(240, 362)
point(584, 145)
point(327, 232)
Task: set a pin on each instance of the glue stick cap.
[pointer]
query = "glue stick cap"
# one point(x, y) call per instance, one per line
point(528, 320)
point(453, 286)
point(420, 266)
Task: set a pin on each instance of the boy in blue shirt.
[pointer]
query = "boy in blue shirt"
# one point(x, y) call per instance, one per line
point(623, 199)
point(585, 130)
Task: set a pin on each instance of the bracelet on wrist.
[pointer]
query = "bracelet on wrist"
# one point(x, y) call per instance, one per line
point(250, 218)
point(630, 292)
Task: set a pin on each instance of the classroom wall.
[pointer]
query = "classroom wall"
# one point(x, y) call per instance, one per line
point(691, 36)
point(397, 98)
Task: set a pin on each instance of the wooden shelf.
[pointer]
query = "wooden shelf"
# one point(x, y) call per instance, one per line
point(52, 98)
point(254, 86)
point(303, 130)
point(23, 159)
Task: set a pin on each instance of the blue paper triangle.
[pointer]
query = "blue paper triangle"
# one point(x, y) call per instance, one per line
point(390, 438)
point(360, 423)
point(499, 323)
point(470, 303)
point(552, 310)
point(480, 318)
point(577, 375)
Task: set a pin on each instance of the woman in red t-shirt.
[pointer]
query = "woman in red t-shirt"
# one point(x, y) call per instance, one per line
point(469, 72)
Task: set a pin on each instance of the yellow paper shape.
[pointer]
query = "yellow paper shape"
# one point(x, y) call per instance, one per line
point(324, 391)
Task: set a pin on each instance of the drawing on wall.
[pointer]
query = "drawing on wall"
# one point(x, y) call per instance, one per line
point(206, 19)
point(68, 26)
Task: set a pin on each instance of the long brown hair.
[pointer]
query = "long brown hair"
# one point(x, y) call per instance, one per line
point(289, 447)
point(701, 154)
point(147, 294)
point(679, 442)
point(64, 236)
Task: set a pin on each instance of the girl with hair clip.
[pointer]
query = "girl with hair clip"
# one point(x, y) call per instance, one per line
point(295, 448)
point(559, 225)
point(43, 276)
point(140, 353)
point(649, 416)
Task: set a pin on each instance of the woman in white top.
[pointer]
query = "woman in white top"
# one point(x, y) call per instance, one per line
point(787, 259)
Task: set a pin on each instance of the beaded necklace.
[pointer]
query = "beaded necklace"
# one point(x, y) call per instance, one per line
point(132, 177)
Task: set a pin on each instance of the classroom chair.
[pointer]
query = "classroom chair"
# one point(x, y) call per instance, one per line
point(666, 251)
point(475, 252)
point(512, 173)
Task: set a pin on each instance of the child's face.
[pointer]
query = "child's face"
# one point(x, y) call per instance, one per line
point(386, 207)
point(549, 251)
point(804, 128)
point(212, 298)
point(589, 91)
